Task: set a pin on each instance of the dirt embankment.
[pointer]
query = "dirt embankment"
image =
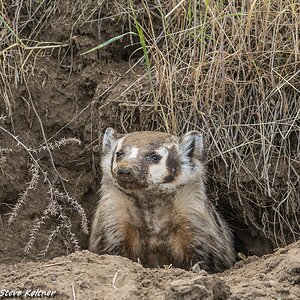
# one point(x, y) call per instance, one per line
point(84, 275)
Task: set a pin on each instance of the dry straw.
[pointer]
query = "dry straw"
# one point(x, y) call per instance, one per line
point(230, 69)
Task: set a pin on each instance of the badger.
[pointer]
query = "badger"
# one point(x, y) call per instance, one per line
point(153, 206)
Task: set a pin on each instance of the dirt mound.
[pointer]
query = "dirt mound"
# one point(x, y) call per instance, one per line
point(84, 275)
point(274, 276)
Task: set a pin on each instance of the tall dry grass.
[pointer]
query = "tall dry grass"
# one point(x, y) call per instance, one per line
point(23, 25)
point(230, 69)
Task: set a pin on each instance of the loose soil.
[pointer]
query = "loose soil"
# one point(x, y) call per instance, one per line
point(84, 275)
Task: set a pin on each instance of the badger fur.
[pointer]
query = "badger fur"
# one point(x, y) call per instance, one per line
point(153, 206)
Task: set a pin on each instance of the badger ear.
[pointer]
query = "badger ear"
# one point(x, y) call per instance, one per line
point(191, 144)
point(110, 139)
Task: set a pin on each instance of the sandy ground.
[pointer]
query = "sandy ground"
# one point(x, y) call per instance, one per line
point(84, 275)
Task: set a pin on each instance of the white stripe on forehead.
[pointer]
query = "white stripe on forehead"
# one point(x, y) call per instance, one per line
point(120, 144)
point(133, 149)
point(133, 152)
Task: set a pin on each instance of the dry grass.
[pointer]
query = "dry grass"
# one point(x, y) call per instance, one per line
point(229, 69)
point(23, 26)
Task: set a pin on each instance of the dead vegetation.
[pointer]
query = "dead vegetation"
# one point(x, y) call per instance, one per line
point(229, 69)
point(58, 197)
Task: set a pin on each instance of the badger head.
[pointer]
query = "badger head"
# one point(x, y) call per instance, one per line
point(152, 161)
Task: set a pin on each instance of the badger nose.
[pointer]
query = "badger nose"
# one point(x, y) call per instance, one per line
point(125, 171)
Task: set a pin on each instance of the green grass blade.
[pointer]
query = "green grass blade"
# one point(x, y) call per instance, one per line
point(108, 42)
point(11, 30)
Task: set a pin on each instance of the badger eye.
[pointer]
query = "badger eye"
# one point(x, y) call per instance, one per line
point(154, 157)
point(119, 154)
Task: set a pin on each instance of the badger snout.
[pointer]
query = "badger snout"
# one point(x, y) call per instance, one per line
point(125, 175)
point(125, 172)
point(128, 177)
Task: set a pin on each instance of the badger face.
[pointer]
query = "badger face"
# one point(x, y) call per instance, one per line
point(151, 161)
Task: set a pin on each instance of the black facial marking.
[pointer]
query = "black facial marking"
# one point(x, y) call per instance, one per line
point(173, 165)
point(119, 155)
point(153, 157)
